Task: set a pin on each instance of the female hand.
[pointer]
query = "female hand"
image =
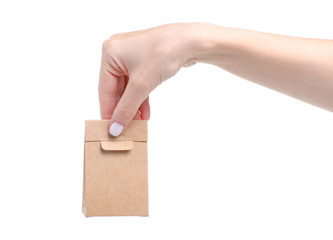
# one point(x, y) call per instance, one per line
point(135, 63)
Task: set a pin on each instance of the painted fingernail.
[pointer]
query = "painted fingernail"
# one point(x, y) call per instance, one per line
point(115, 129)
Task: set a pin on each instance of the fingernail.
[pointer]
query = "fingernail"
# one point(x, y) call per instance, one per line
point(115, 129)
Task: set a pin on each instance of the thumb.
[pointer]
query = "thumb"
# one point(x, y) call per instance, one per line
point(128, 105)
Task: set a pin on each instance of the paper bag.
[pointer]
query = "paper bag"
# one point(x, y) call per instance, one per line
point(115, 181)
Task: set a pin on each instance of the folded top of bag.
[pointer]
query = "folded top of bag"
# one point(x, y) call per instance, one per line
point(98, 130)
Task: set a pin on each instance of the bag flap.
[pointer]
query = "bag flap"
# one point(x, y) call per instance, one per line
point(98, 130)
point(117, 145)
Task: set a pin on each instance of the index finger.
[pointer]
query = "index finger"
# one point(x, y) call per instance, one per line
point(107, 91)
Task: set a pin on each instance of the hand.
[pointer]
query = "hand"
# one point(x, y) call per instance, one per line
point(135, 63)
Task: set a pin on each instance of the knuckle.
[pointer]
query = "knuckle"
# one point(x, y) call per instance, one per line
point(105, 44)
point(109, 46)
point(115, 35)
point(126, 111)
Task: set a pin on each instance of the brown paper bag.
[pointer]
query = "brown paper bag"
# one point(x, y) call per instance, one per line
point(115, 181)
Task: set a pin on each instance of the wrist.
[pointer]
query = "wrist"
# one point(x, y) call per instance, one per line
point(210, 43)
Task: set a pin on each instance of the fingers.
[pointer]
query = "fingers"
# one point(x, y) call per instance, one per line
point(137, 115)
point(107, 89)
point(145, 109)
point(127, 107)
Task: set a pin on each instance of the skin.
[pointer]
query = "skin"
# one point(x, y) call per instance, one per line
point(135, 63)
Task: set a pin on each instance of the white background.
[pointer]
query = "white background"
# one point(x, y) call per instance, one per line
point(228, 159)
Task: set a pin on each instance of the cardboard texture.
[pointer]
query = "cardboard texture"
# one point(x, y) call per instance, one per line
point(115, 181)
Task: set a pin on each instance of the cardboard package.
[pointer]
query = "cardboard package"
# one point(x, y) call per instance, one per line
point(115, 181)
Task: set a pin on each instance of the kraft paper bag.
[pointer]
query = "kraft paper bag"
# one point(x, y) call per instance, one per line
point(115, 181)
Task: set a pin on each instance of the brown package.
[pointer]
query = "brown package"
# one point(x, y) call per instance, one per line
point(115, 181)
